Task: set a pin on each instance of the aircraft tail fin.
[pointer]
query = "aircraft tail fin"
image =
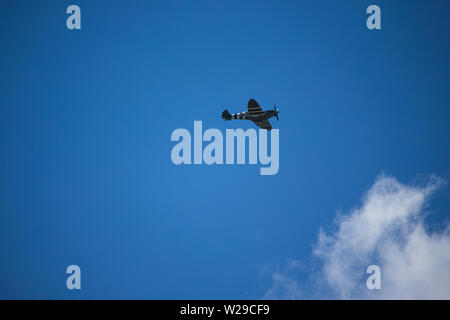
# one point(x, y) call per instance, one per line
point(226, 115)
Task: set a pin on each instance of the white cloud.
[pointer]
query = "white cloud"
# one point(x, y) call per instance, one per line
point(387, 230)
point(285, 285)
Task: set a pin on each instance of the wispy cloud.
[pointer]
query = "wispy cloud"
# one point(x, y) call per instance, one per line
point(285, 284)
point(388, 230)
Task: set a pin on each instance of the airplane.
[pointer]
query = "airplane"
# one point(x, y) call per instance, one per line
point(254, 114)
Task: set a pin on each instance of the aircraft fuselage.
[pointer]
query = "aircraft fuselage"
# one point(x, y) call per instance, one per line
point(246, 116)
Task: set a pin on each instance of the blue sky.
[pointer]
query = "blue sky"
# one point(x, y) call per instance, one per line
point(86, 118)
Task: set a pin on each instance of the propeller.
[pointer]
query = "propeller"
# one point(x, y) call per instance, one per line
point(276, 111)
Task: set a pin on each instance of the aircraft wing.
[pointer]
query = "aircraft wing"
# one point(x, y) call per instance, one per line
point(264, 124)
point(254, 109)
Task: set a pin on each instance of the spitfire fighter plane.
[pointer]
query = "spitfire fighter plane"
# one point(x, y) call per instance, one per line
point(254, 114)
